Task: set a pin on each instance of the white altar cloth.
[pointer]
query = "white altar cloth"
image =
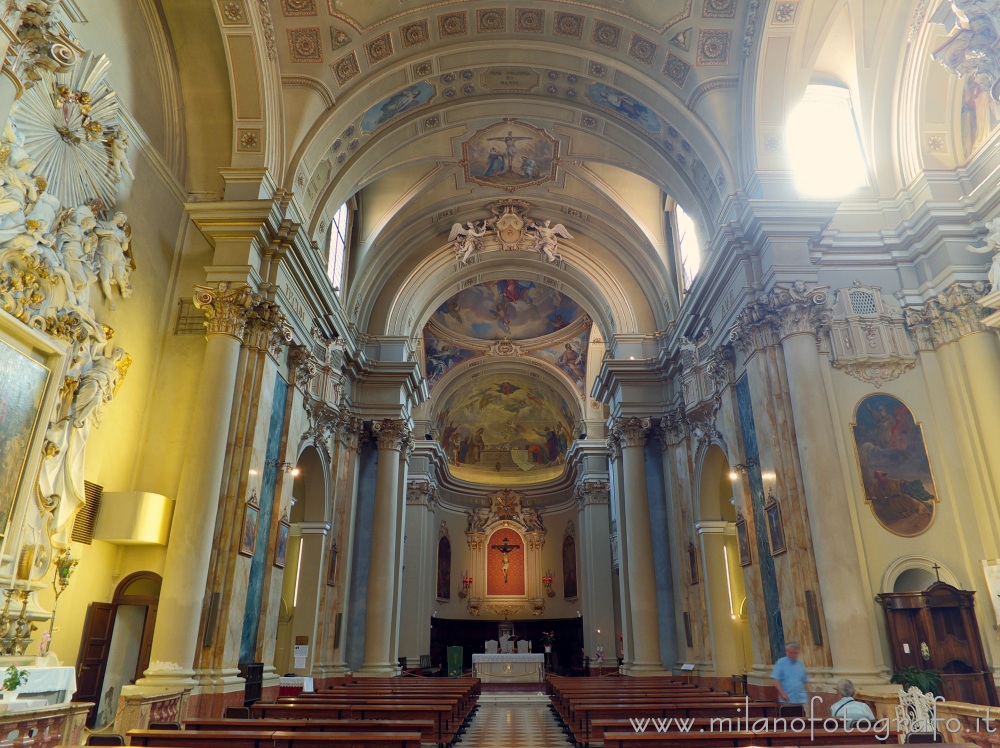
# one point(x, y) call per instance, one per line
point(509, 668)
point(57, 683)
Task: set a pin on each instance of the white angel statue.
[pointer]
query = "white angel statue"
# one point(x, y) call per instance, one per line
point(992, 245)
point(468, 239)
point(547, 238)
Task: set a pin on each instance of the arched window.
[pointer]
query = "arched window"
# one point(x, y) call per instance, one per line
point(688, 247)
point(338, 247)
point(824, 144)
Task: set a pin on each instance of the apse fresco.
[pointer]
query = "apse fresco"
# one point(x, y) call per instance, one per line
point(895, 469)
point(513, 309)
point(980, 115)
point(505, 428)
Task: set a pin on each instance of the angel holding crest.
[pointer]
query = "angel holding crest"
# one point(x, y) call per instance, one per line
point(547, 238)
point(467, 239)
point(992, 245)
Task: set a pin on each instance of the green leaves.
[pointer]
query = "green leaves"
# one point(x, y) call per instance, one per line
point(927, 681)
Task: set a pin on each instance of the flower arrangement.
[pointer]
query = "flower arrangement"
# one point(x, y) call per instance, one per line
point(15, 678)
point(548, 638)
point(599, 655)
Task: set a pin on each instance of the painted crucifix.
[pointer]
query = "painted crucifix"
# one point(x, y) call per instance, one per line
point(505, 550)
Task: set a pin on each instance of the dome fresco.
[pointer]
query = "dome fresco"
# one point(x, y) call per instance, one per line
point(505, 428)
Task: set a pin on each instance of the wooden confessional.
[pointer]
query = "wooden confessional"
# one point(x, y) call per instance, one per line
point(937, 630)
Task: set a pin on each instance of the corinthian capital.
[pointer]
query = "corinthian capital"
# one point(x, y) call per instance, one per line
point(779, 313)
point(391, 433)
point(592, 492)
point(673, 429)
point(950, 315)
point(267, 330)
point(351, 431)
point(226, 307)
point(631, 432)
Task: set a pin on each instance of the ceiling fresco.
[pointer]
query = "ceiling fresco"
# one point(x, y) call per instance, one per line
point(508, 318)
point(505, 428)
point(519, 310)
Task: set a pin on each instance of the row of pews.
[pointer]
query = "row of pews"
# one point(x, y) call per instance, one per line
point(632, 712)
point(373, 712)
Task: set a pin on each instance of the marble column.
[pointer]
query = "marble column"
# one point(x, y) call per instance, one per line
point(349, 435)
point(175, 641)
point(593, 498)
point(390, 436)
point(645, 627)
point(419, 573)
point(846, 610)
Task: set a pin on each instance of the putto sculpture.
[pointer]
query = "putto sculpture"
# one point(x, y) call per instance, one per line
point(510, 229)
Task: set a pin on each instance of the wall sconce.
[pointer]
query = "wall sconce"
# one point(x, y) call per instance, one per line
point(742, 468)
point(547, 581)
point(284, 467)
point(466, 584)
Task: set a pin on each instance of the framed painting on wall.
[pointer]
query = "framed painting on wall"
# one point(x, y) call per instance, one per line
point(248, 538)
point(775, 530)
point(281, 547)
point(31, 368)
point(743, 540)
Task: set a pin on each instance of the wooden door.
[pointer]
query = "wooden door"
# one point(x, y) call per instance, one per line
point(94, 655)
point(146, 647)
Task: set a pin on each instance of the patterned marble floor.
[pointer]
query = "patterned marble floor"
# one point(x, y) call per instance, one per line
point(515, 719)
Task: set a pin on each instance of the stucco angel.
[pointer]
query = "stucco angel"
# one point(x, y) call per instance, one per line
point(114, 256)
point(992, 245)
point(547, 238)
point(468, 239)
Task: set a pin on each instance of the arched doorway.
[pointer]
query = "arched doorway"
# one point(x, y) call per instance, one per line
point(117, 642)
point(306, 572)
point(725, 593)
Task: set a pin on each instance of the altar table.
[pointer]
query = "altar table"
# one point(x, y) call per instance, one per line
point(509, 668)
point(54, 684)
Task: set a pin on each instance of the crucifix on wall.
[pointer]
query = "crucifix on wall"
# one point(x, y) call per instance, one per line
point(505, 550)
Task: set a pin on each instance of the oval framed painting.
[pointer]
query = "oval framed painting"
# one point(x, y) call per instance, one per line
point(895, 469)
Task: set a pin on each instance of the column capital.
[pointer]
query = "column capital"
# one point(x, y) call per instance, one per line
point(711, 527)
point(673, 428)
point(266, 328)
point(351, 432)
point(631, 431)
point(314, 528)
point(783, 311)
point(591, 492)
point(614, 447)
point(391, 433)
point(421, 493)
point(949, 316)
point(226, 307)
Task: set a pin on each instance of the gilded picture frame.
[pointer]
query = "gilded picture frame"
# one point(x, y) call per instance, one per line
point(31, 370)
point(248, 534)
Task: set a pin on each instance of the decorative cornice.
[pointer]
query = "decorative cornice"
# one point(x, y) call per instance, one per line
point(779, 313)
point(630, 431)
point(947, 317)
point(391, 433)
point(226, 307)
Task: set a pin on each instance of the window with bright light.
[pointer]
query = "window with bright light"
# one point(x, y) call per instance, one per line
point(824, 144)
point(688, 246)
point(338, 247)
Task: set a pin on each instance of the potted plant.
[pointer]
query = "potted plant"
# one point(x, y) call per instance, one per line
point(548, 638)
point(14, 680)
point(928, 681)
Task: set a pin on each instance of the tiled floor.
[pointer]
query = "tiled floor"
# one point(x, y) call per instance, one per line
point(516, 719)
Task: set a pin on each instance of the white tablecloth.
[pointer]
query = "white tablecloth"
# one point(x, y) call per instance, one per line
point(306, 684)
point(509, 668)
point(22, 705)
point(60, 681)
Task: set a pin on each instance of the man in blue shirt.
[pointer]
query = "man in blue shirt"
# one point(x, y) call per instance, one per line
point(790, 677)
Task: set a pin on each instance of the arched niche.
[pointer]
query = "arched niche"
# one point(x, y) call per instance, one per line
point(915, 573)
point(720, 574)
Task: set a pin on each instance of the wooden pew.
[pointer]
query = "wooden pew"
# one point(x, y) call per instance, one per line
point(272, 739)
point(444, 731)
point(426, 728)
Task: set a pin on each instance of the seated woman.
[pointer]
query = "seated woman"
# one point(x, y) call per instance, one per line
point(848, 708)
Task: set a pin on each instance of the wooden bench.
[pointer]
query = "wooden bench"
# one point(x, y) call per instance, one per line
point(272, 739)
point(444, 731)
point(426, 728)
